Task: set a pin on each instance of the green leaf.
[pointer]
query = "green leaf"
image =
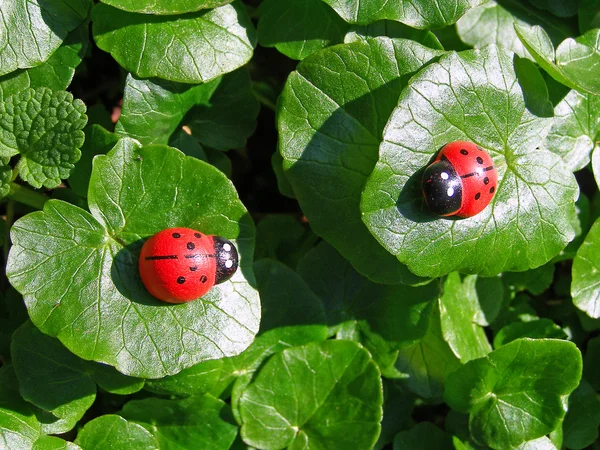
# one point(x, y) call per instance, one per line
point(194, 48)
point(590, 363)
point(531, 216)
point(230, 117)
point(585, 287)
point(589, 15)
point(165, 6)
point(196, 422)
point(54, 443)
point(596, 164)
point(534, 329)
point(572, 61)
point(535, 281)
point(12, 314)
point(576, 129)
point(397, 409)
point(98, 306)
point(485, 297)
point(56, 73)
point(284, 238)
point(580, 426)
point(559, 8)
point(423, 436)
point(298, 28)
point(112, 431)
point(195, 380)
point(392, 29)
point(31, 30)
point(418, 14)
point(321, 395)
point(19, 426)
point(331, 115)
point(516, 393)
point(465, 337)
point(45, 128)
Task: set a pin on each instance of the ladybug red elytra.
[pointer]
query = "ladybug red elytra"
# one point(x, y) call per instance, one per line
point(461, 181)
point(178, 265)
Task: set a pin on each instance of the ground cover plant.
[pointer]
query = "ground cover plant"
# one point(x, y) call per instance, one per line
point(299, 130)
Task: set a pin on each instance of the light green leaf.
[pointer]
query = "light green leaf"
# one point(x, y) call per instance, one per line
point(98, 306)
point(31, 30)
point(165, 6)
point(194, 48)
point(529, 220)
point(331, 115)
point(516, 393)
point(321, 395)
point(585, 287)
point(112, 431)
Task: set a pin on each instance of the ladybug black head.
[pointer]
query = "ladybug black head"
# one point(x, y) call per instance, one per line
point(442, 188)
point(226, 257)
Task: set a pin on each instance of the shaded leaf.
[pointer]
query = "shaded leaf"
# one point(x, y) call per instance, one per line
point(392, 29)
point(559, 8)
point(534, 329)
point(585, 287)
point(423, 436)
point(535, 280)
point(580, 426)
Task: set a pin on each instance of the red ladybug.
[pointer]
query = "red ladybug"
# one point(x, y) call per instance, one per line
point(461, 181)
point(178, 265)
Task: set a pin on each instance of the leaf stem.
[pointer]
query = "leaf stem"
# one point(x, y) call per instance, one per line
point(27, 196)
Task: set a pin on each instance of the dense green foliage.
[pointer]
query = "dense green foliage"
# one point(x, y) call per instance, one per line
point(299, 130)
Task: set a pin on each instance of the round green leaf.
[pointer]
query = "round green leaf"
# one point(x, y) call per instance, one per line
point(112, 431)
point(534, 329)
point(45, 127)
point(416, 13)
point(165, 6)
point(98, 306)
point(516, 393)
point(198, 422)
point(54, 443)
point(194, 48)
point(585, 287)
point(330, 118)
point(530, 219)
point(31, 30)
point(321, 395)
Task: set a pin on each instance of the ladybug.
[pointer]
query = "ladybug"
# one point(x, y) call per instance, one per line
point(178, 265)
point(461, 181)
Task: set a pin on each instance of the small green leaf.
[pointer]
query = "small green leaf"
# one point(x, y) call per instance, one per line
point(580, 426)
point(392, 29)
point(165, 6)
point(298, 28)
point(465, 337)
point(418, 14)
point(585, 287)
point(98, 306)
point(194, 48)
point(331, 115)
point(423, 436)
point(516, 393)
point(196, 422)
point(31, 30)
point(45, 127)
point(534, 329)
point(529, 220)
point(321, 395)
point(54, 443)
point(112, 431)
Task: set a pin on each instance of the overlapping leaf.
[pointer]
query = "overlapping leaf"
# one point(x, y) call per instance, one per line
point(475, 96)
point(92, 298)
point(165, 6)
point(585, 287)
point(112, 431)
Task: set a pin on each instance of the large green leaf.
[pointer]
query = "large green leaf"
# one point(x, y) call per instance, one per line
point(31, 30)
point(112, 431)
point(98, 307)
point(193, 48)
point(517, 392)
point(585, 287)
point(475, 96)
point(416, 13)
point(331, 116)
point(321, 395)
point(165, 6)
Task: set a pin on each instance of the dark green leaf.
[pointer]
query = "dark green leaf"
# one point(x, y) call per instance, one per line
point(194, 48)
point(591, 362)
point(392, 29)
point(283, 183)
point(485, 296)
point(298, 28)
point(589, 15)
point(112, 431)
point(198, 379)
point(559, 8)
point(12, 314)
point(98, 306)
point(530, 218)
point(198, 422)
point(585, 287)
point(45, 128)
point(331, 115)
point(515, 394)
point(31, 30)
point(397, 408)
point(535, 280)
point(165, 6)
point(580, 426)
point(423, 436)
point(535, 329)
point(321, 395)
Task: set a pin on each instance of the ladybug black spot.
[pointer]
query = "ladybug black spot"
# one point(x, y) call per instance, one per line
point(190, 246)
point(464, 152)
point(193, 268)
point(492, 189)
point(198, 235)
point(478, 196)
point(480, 160)
point(180, 280)
point(176, 235)
point(486, 180)
point(203, 279)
